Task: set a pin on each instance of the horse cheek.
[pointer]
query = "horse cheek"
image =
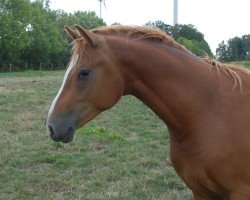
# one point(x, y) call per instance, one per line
point(110, 95)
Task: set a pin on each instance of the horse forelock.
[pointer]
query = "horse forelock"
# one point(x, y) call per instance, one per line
point(79, 47)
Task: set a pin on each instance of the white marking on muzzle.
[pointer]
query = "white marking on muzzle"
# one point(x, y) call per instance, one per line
point(71, 66)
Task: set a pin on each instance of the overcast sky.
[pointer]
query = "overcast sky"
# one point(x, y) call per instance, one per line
point(217, 19)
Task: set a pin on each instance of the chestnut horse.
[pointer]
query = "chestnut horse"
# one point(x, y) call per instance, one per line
point(205, 104)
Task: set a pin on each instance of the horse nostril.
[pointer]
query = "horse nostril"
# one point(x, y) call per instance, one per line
point(70, 130)
point(50, 129)
point(53, 134)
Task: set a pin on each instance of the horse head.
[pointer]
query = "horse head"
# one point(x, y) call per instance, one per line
point(92, 84)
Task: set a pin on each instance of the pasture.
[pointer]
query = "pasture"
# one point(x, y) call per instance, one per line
point(122, 154)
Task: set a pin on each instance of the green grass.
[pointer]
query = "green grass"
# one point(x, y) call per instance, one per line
point(122, 154)
point(32, 73)
point(243, 63)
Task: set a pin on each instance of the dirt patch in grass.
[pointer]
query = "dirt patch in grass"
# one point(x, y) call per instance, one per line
point(2, 89)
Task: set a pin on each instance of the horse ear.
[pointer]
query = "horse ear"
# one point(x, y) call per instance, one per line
point(73, 33)
point(90, 37)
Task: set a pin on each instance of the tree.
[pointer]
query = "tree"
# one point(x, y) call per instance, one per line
point(47, 4)
point(186, 35)
point(14, 17)
point(45, 45)
point(87, 19)
point(187, 31)
point(161, 25)
point(246, 46)
point(199, 48)
point(33, 33)
point(222, 52)
point(236, 49)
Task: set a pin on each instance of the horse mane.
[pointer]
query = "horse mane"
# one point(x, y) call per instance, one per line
point(157, 35)
point(130, 32)
point(140, 32)
point(230, 70)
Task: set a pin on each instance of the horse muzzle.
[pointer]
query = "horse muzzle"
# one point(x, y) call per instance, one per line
point(62, 132)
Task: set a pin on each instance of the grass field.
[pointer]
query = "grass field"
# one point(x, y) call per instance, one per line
point(122, 154)
point(246, 64)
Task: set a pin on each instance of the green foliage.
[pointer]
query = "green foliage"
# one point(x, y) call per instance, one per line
point(13, 35)
point(161, 25)
point(88, 20)
point(236, 49)
point(45, 45)
point(199, 48)
point(187, 35)
point(222, 53)
point(111, 135)
point(31, 33)
point(187, 31)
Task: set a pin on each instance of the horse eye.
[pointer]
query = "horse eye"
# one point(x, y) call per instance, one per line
point(83, 74)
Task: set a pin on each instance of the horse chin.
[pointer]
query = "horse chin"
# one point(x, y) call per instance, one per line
point(87, 119)
point(69, 136)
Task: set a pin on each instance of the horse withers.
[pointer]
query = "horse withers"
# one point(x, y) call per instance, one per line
point(204, 103)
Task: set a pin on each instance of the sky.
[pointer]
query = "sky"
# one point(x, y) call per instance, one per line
point(218, 20)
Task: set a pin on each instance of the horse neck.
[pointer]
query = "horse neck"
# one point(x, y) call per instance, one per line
point(173, 83)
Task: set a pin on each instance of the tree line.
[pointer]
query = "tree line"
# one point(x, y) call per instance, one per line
point(32, 36)
point(235, 49)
